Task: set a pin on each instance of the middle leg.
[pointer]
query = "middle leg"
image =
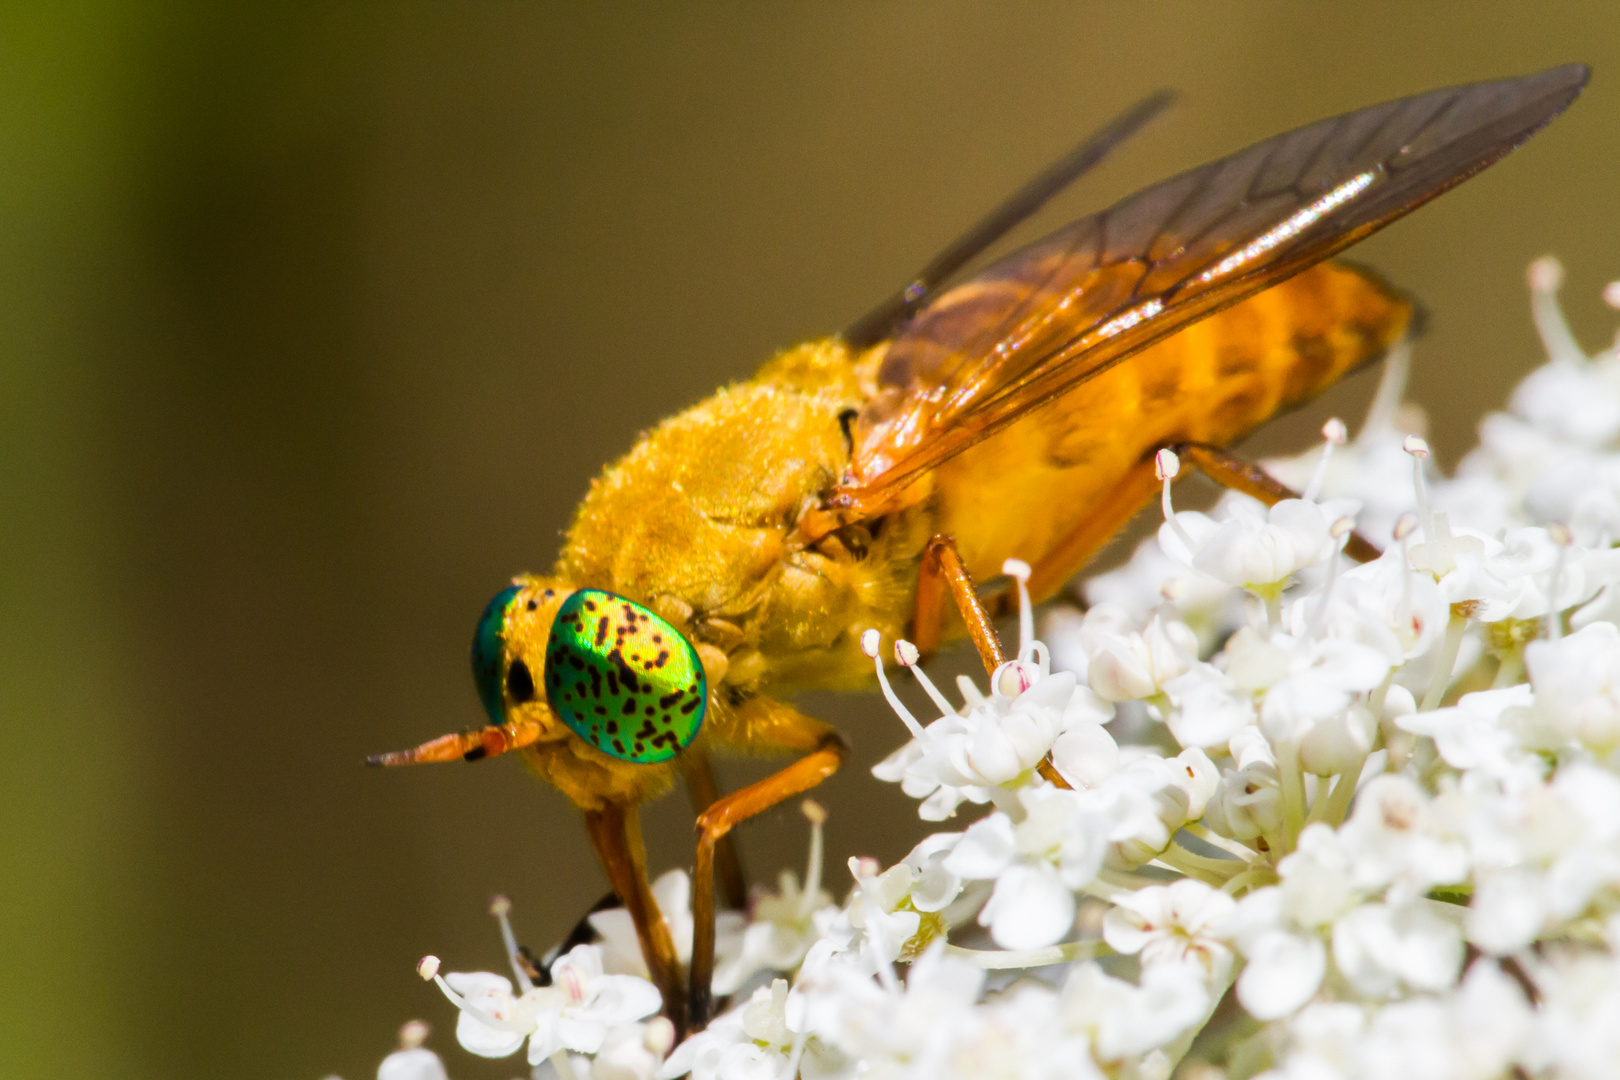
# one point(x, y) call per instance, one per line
point(774, 726)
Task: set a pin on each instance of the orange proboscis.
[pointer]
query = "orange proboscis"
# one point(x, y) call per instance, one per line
point(490, 741)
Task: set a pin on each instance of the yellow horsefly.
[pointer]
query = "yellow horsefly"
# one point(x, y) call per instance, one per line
point(737, 553)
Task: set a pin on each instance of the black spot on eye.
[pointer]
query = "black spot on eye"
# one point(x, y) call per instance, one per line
point(519, 683)
point(533, 604)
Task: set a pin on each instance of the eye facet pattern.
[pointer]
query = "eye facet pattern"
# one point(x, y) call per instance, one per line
point(486, 653)
point(623, 679)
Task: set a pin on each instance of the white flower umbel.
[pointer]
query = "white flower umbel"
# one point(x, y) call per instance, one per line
point(574, 1013)
point(1380, 802)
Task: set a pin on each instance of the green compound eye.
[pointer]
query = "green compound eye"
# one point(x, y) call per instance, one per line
point(623, 679)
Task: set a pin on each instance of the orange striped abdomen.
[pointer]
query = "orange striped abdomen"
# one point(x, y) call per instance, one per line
point(1021, 492)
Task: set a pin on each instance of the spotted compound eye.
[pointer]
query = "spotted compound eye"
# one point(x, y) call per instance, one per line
point(623, 679)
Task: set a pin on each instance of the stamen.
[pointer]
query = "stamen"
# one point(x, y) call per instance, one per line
point(1018, 570)
point(1546, 276)
point(428, 968)
point(1560, 534)
point(1405, 525)
point(500, 907)
point(1386, 403)
point(1419, 449)
point(1339, 530)
point(865, 872)
point(906, 653)
point(871, 641)
point(972, 697)
point(1333, 434)
point(1165, 466)
point(812, 871)
point(1448, 660)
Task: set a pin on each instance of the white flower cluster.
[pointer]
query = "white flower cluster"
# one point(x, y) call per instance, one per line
point(1257, 811)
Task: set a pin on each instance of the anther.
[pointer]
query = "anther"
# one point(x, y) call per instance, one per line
point(1166, 465)
point(906, 653)
point(1545, 275)
point(814, 811)
point(1611, 294)
point(413, 1033)
point(428, 967)
point(871, 641)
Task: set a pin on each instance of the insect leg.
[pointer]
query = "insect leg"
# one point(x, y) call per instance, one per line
point(615, 832)
point(788, 730)
point(700, 784)
point(1229, 470)
point(942, 572)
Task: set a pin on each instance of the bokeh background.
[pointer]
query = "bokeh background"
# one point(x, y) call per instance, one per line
point(316, 320)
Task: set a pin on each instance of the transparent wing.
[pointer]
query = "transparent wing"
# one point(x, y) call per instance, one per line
point(1032, 326)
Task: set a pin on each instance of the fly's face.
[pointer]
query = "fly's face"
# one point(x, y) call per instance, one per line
point(612, 671)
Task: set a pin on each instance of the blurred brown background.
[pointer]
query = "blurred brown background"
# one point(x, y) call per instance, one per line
point(315, 322)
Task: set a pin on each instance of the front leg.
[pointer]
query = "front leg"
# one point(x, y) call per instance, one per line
point(615, 832)
point(769, 725)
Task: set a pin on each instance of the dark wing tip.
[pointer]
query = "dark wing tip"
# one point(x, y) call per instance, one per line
point(1565, 81)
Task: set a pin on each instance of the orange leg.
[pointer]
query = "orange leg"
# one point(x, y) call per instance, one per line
point(943, 574)
point(1110, 515)
point(793, 731)
point(615, 831)
point(701, 786)
point(1229, 470)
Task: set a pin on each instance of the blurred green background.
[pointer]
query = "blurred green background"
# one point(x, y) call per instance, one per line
point(316, 320)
